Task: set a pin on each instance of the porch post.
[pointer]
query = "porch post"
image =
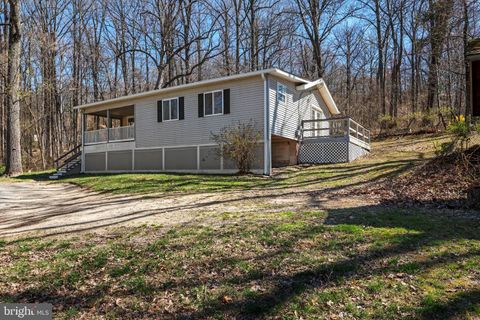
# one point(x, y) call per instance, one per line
point(84, 125)
point(267, 148)
point(108, 125)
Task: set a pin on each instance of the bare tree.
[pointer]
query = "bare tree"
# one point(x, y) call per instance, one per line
point(14, 150)
point(438, 16)
point(319, 18)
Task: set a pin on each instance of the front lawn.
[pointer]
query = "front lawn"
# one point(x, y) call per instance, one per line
point(348, 259)
point(384, 161)
point(391, 157)
point(361, 263)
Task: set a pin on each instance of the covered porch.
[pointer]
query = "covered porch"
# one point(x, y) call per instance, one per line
point(109, 125)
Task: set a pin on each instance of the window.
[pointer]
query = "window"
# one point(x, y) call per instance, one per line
point(281, 93)
point(170, 109)
point(213, 103)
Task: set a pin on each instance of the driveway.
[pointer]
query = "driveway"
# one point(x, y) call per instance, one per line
point(54, 208)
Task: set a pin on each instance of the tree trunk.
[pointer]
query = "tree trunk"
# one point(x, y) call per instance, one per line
point(468, 106)
point(380, 69)
point(14, 151)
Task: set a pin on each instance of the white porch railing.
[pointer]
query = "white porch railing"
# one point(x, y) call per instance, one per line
point(107, 135)
point(121, 133)
point(335, 127)
point(95, 136)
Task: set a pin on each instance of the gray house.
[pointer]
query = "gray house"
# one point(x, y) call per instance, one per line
point(169, 130)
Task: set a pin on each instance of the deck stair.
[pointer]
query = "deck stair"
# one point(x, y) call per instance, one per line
point(67, 164)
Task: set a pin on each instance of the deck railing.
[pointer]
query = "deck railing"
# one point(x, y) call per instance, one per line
point(335, 127)
point(121, 133)
point(111, 134)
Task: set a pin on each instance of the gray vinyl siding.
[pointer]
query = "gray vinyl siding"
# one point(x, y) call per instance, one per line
point(285, 118)
point(246, 103)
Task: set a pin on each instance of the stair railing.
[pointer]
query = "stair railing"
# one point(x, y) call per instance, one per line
point(67, 157)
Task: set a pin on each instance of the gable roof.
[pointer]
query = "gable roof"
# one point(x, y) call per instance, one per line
point(320, 84)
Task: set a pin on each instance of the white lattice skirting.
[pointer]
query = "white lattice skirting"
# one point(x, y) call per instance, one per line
point(355, 151)
point(329, 151)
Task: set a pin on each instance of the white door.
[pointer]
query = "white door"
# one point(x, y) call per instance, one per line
point(317, 115)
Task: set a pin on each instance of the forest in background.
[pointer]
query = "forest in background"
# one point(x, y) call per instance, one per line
point(393, 65)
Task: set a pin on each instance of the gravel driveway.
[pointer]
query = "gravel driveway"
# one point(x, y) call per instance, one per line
point(52, 208)
point(40, 208)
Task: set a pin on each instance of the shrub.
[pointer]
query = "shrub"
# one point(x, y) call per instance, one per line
point(427, 119)
point(239, 143)
point(461, 130)
point(444, 149)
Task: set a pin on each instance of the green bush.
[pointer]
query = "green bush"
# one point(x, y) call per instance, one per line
point(459, 128)
point(462, 131)
point(444, 149)
point(387, 122)
point(427, 119)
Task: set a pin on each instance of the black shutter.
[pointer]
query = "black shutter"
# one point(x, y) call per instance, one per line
point(226, 101)
point(181, 108)
point(200, 105)
point(159, 111)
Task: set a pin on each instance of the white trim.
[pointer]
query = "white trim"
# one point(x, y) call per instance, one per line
point(133, 159)
point(267, 164)
point(173, 147)
point(202, 171)
point(106, 160)
point(107, 142)
point(313, 84)
point(221, 158)
point(152, 93)
point(198, 157)
point(163, 159)
point(359, 143)
point(213, 103)
point(322, 88)
point(170, 109)
point(178, 146)
point(82, 164)
point(284, 94)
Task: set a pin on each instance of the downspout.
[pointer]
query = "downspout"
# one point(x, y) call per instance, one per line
point(267, 147)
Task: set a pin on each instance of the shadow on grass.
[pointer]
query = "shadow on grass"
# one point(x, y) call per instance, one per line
point(328, 184)
point(362, 265)
point(424, 231)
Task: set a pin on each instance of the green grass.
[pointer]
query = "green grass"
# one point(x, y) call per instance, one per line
point(362, 263)
point(389, 158)
point(365, 262)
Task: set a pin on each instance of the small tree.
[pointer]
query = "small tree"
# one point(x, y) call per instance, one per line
point(239, 143)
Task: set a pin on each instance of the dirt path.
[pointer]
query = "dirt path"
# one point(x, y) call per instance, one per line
point(51, 208)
